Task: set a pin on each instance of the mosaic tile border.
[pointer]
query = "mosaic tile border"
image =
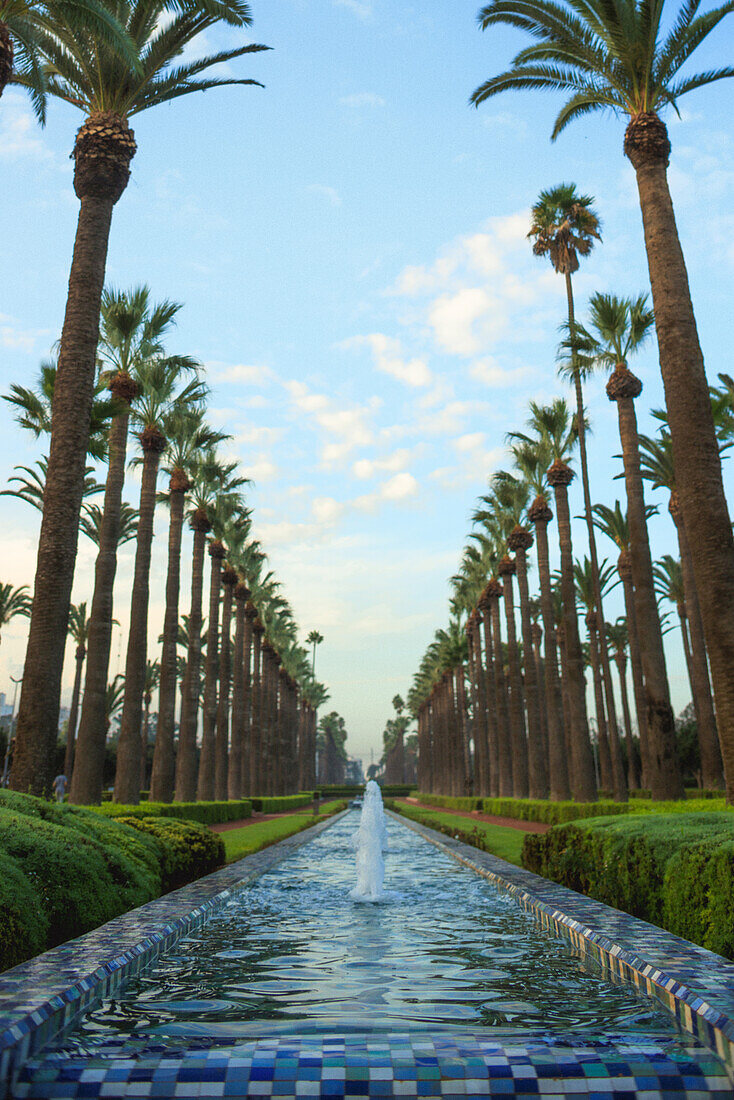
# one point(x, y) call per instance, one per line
point(392, 1064)
point(694, 984)
point(45, 995)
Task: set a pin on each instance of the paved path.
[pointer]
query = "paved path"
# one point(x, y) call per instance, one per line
point(225, 826)
point(475, 815)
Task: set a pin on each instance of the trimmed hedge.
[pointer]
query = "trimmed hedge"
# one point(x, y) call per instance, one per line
point(282, 804)
point(189, 850)
point(674, 870)
point(552, 813)
point(208, 813)
point(450, 803)
point(65, 870)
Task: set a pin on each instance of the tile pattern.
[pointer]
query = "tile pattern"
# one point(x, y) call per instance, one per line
point(694, 984)
point(395, 1064)
point(45, 995)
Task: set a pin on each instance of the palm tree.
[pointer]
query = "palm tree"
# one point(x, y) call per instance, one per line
point(656, 460)
point(618, 639)
point(234, 534)
point(610, 754)
point(620, 327)
point(114, 694)
point(160, 397)
point(613, 523)
point(618, 57)
point(14, 602)
point(532, 459)
point(188, 435)
point(92, 519)
point(79, 634)
point(152, 680)
point(553, 425)
point(31, 484)
point(132, 333)
point(314, 638)
point(108, 86)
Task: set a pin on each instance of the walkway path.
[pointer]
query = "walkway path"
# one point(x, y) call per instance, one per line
point(475, 815)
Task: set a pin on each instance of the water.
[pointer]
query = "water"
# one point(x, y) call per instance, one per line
point(370, 844)
point(294, 954)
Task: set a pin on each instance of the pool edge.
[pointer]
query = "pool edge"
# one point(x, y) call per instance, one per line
point(696, 1012)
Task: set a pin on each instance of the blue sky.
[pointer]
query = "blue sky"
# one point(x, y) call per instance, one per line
point(349, 245)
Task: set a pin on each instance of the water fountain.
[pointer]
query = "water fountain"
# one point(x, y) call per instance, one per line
point(370, 842)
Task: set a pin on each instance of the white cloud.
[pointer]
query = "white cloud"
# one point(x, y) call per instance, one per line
point(254, 434)
point(399, 487)
point(12, 336)
point(260, 468)
point(348, 426)
point(327, 509)
point(327, 192)
point(365, 468)
point(489, 371)
point(388, 357)
point(453, 318)
point(470, 441)
point(361, 8)
point(247, 374)
point(19, 131)
point(362, 99)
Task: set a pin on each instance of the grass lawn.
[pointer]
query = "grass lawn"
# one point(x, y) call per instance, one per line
point(251, 838)
point(500, 840)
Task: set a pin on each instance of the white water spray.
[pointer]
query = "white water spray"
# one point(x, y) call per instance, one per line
point(370, 841)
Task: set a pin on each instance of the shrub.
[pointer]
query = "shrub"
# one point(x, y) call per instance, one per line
point(675, 870)
point(552, 813)
point(451, 803)
point(188, 849)
point(208, 813)
point(23, 921)
point(281, 805)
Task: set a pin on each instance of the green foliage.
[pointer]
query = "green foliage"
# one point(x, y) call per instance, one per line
point(500, 840)
point(23, 922)
point(188, 850)
point(552, 813)
point(675, 870)
point(462, 803)
point(208, 813)
point(281, 805)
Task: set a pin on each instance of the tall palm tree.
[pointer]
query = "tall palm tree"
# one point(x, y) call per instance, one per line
point(31, 483)
point(79, 634)
point(610, 753)
point(656, 460)
point(152, 680)
point(108, 86)
point(619, 57)
point(613, 523)
point(188, 435)
point(554, 426)
point(618, 639)
point(132, 334)
point(160, 397)
point(92, 519)
point(235, 533)
point(314, 638)
point(532, 459)
point(619, 328)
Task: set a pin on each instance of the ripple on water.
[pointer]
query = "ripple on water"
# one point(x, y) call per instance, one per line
point(292, 951)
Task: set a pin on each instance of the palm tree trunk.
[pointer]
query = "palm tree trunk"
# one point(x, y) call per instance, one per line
point(540, 515)
point(505, 753)
point(81, 653)
point(605, 757)
point(517, 710)
point(695, 448)
point(633, 775)
point(257, 709)
point(234, 773)
point(708, 737)
point(38, 713)
point(221, 745)
point(490, 691)
point(583, 779)
point(127, 776)
point(205, 782)
point(163, 774)
point(144, 740)
point(86, 781)
point(247, 704)
point(665, 778)
point(482, 728)
point(624, 568)
point(519, 541)
point(186, 768)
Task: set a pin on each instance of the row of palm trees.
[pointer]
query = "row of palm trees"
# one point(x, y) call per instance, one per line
point(246, 675)
point(529, 732)
point(631, 58)
point(110, 59)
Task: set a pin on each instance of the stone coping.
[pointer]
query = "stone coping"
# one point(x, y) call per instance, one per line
point(694, 984)
point(44, 996)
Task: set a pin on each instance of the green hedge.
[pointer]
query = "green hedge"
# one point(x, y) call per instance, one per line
point(280, 805)
point(398, 790)
point(343, 790)
point(552, 813)
point(208, 813)
point(65, 870)
point(451, 803)
point(674, 870)
point(189, 849)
